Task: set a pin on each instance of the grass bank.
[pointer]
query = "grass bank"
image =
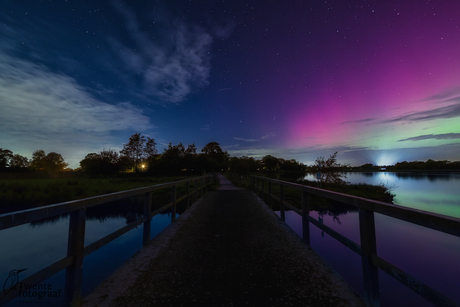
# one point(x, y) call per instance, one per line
point(318, 203)
point(23, 193)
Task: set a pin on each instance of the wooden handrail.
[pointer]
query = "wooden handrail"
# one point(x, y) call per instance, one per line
point(369, 259)
point(76, 250)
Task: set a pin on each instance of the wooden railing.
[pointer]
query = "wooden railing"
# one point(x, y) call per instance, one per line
point(371, 262)
point(76, 251)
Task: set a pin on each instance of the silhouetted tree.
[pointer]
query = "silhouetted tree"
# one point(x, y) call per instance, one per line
point(330, 169)
point(18, 161)
point(107, 162)
point(213, 158)
point(52, 162)
point(270, 163)
point(38, 160)
point(150, 147)
point(134, 150)
point(5, 157)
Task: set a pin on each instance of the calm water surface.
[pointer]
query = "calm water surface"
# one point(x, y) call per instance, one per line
point(428, 255)
point(434, 192)
point(36, 246)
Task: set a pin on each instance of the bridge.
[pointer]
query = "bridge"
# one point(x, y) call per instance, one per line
point(227, 249)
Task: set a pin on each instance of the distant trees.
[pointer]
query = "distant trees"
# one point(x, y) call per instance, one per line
point(11, 160)
point(138, 149)
point(107, 162)
point(51, 162)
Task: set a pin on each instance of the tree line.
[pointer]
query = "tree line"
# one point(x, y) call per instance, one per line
point(140, 155)
point(40, 161)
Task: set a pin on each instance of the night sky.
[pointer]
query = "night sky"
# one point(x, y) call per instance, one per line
point(377, 81)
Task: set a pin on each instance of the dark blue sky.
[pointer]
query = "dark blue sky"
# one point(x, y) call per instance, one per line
point(377, 81)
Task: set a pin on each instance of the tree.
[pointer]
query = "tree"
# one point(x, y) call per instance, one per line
point(212, 148)
point(19, 161)
point(5, 157)
point(150, 147)
point(51, 162)
point(54, 162)
point(38, 162)
point(106, 162)
point(270, 163)
point(330, 169)
point(213, 158)
point(134, 150)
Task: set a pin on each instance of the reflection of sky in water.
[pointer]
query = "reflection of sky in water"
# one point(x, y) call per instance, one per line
point(429, 256)
point(438, 193)
point(36, 247)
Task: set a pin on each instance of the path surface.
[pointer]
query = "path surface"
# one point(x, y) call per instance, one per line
point(228, 249)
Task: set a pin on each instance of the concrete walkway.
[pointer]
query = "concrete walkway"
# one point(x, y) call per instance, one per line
point(228, 249)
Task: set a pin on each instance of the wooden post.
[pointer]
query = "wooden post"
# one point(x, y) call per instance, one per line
point(188, 194)
point(305, 215)
point(202, 187)
point(282, 213)
point(206, 181)
point(196, 190)
point(75, 249)
point(147, 210)
point(270, 194)
point(262, 190)
point(173, 208)
point(368, 248)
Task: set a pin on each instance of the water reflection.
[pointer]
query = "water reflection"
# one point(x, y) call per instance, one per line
point(39, 244)
point(434, 192)
point(428, 255)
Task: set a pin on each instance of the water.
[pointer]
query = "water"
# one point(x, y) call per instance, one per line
point(428, 255)
point(433, 192)
point(38, 245)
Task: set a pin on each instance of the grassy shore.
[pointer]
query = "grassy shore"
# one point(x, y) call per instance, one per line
point(23, 193)
point(317, 203)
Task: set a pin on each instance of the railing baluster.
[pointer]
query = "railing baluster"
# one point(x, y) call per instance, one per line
point(196, 190)
point(270, 194)
point(368, 248)
point(173, 208)
point(262, 189)
point(282, 213)
point(147, 210)
point(188, 194)
point(75, 249)
point(305, 214)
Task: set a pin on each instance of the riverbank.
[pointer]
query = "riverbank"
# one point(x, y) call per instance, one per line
point(25, 193)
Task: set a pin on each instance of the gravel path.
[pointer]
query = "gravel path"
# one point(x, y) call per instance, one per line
point(229, 249)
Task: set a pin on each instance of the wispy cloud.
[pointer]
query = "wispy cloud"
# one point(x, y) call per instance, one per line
point(43, 109)
point(359, 121)
point(246, 140)
point(444, 136)
point(206, 127)
point(264, 137)
point(172, 70)
point(450, 111)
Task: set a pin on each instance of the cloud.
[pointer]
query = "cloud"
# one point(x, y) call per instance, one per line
point(450, 111)
point(246, 140)
point(445, 95)
point(444, 136)
point(264, 137)
point(43, 109)
point(365, 120)
point(172, 70)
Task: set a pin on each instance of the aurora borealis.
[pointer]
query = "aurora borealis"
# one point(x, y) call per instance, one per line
point(377, 81)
